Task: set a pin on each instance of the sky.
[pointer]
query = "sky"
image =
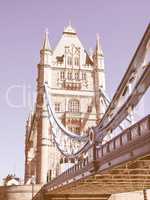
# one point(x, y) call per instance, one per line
point(119, 23)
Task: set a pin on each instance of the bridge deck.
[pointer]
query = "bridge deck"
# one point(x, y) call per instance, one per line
point(121, 165)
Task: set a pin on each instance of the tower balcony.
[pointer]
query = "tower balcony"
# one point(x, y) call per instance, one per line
point(72, 85)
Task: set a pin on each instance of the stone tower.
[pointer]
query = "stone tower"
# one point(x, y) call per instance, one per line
point(74, 79)
point(43, 127)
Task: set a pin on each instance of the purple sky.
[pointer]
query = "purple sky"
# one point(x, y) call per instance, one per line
point(120, 24)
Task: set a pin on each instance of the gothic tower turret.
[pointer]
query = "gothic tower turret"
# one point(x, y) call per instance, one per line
point(100, 63)
point(44, 75)
point(99, 79)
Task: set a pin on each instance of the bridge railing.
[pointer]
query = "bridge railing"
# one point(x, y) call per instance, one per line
point(129, 135)
point(73, 173)
point(86, 166)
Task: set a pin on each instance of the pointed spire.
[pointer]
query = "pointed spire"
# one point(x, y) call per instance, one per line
point(69, 29)
point(98, 46)
point(46, 44)
point(70, 24)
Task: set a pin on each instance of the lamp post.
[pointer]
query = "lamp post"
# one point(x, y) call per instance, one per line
point(33, 183)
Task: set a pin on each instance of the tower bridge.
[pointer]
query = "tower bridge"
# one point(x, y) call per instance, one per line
point(72, 146)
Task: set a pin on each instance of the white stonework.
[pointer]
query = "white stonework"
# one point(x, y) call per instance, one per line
point(12, 182)
point(74, 79)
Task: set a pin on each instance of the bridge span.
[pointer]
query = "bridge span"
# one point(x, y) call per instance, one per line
point(120, 165)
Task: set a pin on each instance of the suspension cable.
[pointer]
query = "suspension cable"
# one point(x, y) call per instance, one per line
point(60, 125)
point(51, 117)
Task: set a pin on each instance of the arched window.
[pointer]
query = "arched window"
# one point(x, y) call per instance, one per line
point(62, 75)
point(73, 105)
point(76, 61)
point(84, 76)
point(76, 76)
point(57, 107)
point(69, 75)
point(74, 128)
point(69, 60)
point(89, 109)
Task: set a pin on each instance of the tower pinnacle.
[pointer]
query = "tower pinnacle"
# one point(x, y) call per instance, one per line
point(70, 23)
point(69, 29)
point(98, 46)
point(46, 51)
point(46, 44)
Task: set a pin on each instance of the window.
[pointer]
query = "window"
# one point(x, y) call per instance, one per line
point(62, 76)
point(69, 75)
point(76, 61)
point(73, 106)
point(89, 109)
point(84, 75)
point(75, 129)
point(57, 107)
point(69, 60)
point(76, 76)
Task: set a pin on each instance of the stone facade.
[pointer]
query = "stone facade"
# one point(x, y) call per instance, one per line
point(21, 192)
point(74, 78)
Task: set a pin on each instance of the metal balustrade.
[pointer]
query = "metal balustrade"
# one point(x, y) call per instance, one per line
point(134, 72)
point(131, 134)
point(72, 173)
